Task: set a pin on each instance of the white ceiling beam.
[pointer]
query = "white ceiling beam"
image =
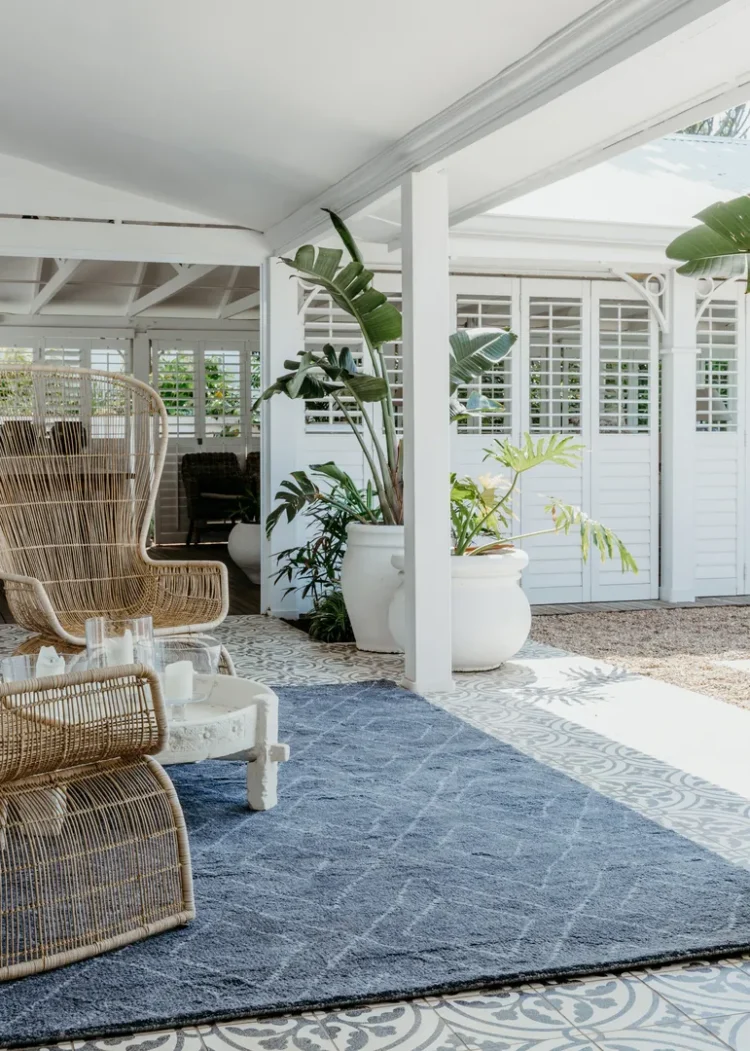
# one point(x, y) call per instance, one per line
point(249, 302)
point(608, 34)
point(66, 269)
point(132, 242)
point(187, 276)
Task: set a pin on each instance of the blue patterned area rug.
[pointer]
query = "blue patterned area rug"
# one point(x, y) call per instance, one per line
point(409, 854)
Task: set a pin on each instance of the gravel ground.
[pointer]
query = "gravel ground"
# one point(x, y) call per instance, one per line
point(676, 645)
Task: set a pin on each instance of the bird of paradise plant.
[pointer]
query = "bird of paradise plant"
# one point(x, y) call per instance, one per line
point(313, 375)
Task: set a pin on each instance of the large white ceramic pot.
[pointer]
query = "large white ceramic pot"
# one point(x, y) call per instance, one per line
point(368, 581)
point(491, 616)
point(244, 548)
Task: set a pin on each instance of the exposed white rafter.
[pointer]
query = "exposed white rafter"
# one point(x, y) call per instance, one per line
point(37, 286)
point(66, 269)
point(187, 276)
point(610, 33)
point(229, 289)
point(140, 270)
point(248, 302)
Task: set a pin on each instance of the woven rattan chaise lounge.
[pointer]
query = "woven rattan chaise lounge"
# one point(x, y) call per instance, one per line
point(93, 849)
point(81, 458)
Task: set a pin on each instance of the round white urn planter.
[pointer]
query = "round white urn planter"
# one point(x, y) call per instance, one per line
point(490, 615)
point(244, 548)
point(368, 582)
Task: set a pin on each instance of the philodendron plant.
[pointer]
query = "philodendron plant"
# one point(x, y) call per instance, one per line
point(720, 246)
point(482, 512)
point(366, 395)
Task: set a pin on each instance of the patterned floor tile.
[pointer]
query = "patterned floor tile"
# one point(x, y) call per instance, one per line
point(700, 992)
point(515, 1015)
point(288, 1033)
point(734, 1030)
point(601, 1005)
point(567, 1040)
point(413, 1026)
point(187, 1039)
point(687, 1036)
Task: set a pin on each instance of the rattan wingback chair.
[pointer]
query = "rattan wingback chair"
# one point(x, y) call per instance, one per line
point(81, 458)
point(93, 849)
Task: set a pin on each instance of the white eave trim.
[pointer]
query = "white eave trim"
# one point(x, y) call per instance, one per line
point(606, 35)
point(136, 242)
point(568, 231)
point(509, 241)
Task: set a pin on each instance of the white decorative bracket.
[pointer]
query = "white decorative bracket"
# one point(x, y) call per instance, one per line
point(651, 289)
point(712, 290)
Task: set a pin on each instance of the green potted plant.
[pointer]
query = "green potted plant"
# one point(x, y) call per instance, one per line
point(312, 569)
point(365, 401)
point(491, 616)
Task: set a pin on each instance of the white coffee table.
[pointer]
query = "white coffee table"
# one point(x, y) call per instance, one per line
point(239, 719)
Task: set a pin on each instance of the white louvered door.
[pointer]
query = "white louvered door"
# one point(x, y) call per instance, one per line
point(555, 397)
point(585, 364)
point(625, 442)
point(720, 468)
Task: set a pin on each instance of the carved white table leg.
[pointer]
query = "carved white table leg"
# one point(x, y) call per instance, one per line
point(239, 719)
point(263, 775)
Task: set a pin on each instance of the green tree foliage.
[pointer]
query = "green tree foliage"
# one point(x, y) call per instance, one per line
point(731, 123)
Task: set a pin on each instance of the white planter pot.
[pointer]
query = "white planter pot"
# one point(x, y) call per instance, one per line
point(491, 616)
point(244, 548)
point(368, 581)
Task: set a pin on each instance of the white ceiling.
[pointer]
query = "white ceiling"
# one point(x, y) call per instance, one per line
point(255, 114)
point(243, 111)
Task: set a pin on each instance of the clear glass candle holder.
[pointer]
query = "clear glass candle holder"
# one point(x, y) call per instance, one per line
point(186, 665)
point(33, 666)
point(115, 642)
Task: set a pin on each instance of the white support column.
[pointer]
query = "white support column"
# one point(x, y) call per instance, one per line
point(142, 357)
point(280, 338)
point(678, 443)
point(426, 300)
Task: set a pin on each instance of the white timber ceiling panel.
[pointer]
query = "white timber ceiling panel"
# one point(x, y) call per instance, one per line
point(57, 287)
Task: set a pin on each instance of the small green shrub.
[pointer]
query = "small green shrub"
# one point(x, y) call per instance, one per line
point(329, 621)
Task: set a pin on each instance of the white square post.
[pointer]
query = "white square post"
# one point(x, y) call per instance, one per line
point(281, 337)
point(426, 303)
point(678, 410)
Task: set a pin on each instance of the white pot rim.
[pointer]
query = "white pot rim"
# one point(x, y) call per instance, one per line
point(498, 564)
point(375, 535)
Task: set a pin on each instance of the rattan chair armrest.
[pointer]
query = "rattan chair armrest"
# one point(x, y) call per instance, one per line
point(28, 597)
point(201, 589)
point(61, 722)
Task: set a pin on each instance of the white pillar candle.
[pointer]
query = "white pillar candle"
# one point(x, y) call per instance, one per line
point(178, 681)
point(119, 649)
point(49, 663)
